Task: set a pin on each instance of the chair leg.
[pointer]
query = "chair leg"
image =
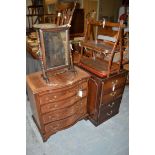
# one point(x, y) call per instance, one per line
point(81, 53)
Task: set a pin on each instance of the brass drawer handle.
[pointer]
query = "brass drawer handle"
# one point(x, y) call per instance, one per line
point(54, 97)
point(113, 87)
point(50, 107)
point(113, 94)
point(114, 84)
point(47, 98)
point(111, 105)
point(109, 114)
point(51, 117)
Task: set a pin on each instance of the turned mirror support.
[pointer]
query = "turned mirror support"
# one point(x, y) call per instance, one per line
point(71, 65)
point(39, 53)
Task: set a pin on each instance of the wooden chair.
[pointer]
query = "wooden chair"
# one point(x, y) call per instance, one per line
point(97, 51)
point(63, 12)
point(125, 44)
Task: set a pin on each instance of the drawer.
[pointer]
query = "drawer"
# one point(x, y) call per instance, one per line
point(79, 108)
point(109, 110)
point(111, 106)
point(112, 96)
point(105, 115)
point(62, 124)
point(111, 84)
point(52, 96)
point(63, 103)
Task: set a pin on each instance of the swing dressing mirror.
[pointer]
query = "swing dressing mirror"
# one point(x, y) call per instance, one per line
point(55, 47)
point(55, 51)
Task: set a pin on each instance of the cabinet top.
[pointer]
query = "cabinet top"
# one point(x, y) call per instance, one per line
point(60, 79)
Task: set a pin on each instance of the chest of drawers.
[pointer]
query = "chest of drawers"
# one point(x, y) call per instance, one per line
point(60, 104)
point(104, 97)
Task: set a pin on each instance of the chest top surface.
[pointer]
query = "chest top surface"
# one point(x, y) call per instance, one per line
point(61, 79)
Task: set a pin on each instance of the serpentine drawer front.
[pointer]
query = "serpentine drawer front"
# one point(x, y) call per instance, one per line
point(67, 93)
point(59, 106)
point(76, 108)
point(63, 103)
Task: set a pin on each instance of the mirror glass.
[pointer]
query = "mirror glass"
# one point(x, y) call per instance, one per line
point(55, 44)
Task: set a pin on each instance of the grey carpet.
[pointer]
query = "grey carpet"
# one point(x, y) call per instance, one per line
point(110, 138)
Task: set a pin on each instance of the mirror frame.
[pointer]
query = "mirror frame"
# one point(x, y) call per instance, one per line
point(64, 29)
point(69, 64)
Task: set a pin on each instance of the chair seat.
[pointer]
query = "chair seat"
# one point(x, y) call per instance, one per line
point(126, 29)
point(98, 67)
point(108, 38)
point(97, 46)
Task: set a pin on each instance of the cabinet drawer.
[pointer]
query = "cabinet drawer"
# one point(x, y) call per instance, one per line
point(111, 106)
point(52, 97)
point(63, 103)
point(61, 124)
point(109, 110)
point(79, 108)
point(113, 83)
point(112, 96)
point(105, 115)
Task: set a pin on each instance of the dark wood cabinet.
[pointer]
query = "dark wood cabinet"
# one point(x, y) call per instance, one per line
point(77, 24)
point(104, 97)
point(62, 103)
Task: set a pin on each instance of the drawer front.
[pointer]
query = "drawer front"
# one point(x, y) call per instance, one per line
point(111, 106)
point(62, 124)
point(109, 110)
point(63, 103)
point(105, 115)
point(114, 83)
point(79, 108)
point(52, 96)
point(112, 96)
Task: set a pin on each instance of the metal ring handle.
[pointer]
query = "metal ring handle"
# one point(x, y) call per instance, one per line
point(113, 93)
point(109, 114)
point(111, 105)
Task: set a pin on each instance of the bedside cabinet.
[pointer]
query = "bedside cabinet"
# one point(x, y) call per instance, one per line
point(61, 103)
point(104, 97)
